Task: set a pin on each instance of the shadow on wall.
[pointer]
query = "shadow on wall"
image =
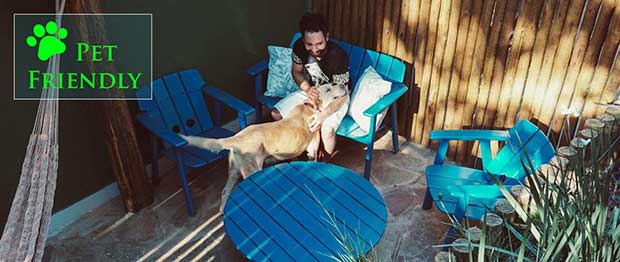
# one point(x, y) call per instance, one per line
point(486, 64)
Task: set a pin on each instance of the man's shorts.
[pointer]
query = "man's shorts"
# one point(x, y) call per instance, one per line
point(293, 99)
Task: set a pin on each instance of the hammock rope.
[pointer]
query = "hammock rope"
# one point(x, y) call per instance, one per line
point(25, 232)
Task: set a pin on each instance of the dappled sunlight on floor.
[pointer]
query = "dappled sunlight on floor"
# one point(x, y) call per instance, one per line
point(164, 231)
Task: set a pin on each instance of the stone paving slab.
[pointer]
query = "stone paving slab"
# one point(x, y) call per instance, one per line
point(164, 231)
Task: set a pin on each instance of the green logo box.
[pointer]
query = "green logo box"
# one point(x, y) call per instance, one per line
point(102, 56)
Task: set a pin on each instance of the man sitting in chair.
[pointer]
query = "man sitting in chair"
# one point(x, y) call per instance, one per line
point(317, 61)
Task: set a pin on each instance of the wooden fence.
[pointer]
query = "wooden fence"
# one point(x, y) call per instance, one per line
point(488, 63)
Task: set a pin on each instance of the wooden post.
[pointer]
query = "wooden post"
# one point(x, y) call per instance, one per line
point(505, 210)
point(445, 256)
point(473, 234)
point(495, 230)
point(123, 150)
point(462, 250)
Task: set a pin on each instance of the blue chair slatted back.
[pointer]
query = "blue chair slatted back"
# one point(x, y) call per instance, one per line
point(527, 144)
point(360, 58)
point(178, 102)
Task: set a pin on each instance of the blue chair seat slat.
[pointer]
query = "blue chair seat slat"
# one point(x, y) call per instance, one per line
point(284, 236)
point(258, 67)
point(384, 64)
point(165, 106)
point(258, 244)
point(181, 103)
point(193, 84)
point(305, 206)
point(322, 174)
point(350, 129)
point(320, 236)
point(268, 101)
point(255, 243)
point(332, 199)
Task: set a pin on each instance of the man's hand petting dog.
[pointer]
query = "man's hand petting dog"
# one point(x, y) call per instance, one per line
point(316, 120)
point(313, 93)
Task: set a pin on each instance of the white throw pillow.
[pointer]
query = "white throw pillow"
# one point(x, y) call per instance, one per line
point(280, 81)
point(368, 90)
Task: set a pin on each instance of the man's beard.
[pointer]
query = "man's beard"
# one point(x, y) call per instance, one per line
point(319, 54)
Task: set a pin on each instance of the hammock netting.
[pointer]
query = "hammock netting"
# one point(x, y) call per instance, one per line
point(26, 229)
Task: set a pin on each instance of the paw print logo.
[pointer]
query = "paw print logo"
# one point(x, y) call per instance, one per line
point(48, 41)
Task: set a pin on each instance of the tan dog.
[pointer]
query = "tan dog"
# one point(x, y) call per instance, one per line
point(284, 139)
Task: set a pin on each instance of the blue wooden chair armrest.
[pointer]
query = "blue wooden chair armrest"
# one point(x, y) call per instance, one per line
point(397, 91)
point(160, 130)
point(469, 135)
point(242, 108)
point(258, 67)
point(484, 136)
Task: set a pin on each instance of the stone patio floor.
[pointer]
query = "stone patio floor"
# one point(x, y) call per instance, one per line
point(165, 232)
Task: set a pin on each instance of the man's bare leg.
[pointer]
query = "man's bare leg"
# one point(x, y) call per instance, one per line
point(275, 114)
point(328, 135)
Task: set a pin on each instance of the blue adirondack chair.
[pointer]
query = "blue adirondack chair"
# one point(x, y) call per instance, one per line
point(178, 106)
point(468, 192)
point(388, 67)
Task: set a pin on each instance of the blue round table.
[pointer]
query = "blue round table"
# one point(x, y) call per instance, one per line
point(301, 211)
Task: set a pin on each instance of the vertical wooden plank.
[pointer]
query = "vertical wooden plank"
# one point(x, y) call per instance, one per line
point(386, 32)
point(362, 16)
point(565, 48)
point(345, 25)
point(492, 60)
point(550, 54)
point(419, 54)
point(613, 83)
point(597, 39)
point(395, 16)
point(478, 61)
point(531, 88)
point(431, 36)
point(412, 29)
point(435, 70)
point(576, 60)
point(325, 7)
point(401, 46)
point(463, 72)
point(454, 109)
point(379, 24)
point(608, 52)
point(354, 24)
point(486, 112)
point(338, 18)
point(330, 16)
point(410, 42)
point(447, 64)
point(371, 25)
point(524, 36)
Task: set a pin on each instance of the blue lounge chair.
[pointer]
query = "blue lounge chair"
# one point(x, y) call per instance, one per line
point(468, 192)
point(390, 68)
point(178, 106)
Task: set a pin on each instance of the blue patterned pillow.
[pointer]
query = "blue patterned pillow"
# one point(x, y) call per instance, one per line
point(280, 81)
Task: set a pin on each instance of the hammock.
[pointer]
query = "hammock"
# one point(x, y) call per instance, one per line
point(25, 232)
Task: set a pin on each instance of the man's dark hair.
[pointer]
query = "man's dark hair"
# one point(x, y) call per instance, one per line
point(313, 23)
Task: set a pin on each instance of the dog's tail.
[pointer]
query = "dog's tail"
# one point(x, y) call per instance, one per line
point(211, 144)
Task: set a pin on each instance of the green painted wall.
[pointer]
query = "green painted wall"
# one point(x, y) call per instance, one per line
point(220, 38)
